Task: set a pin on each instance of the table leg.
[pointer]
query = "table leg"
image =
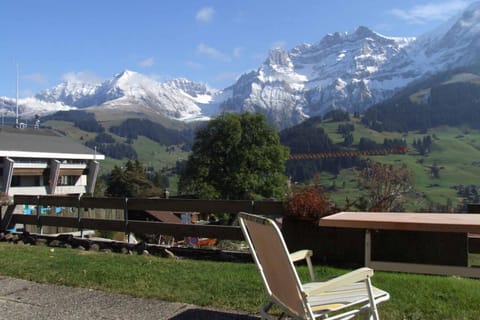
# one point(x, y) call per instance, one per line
point(368, 248)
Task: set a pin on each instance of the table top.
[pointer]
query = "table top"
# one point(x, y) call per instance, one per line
point(435, 222)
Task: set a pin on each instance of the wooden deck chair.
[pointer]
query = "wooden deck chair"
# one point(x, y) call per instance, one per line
point(342, 297)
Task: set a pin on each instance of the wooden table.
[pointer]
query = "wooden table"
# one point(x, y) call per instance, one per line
point(429, 222)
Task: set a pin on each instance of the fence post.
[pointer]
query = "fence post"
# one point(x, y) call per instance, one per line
point(39, 227)
point(79, 217)
point(125, 217)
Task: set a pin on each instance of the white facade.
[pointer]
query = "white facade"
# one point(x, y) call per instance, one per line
point(41, 178)
point(54, 165)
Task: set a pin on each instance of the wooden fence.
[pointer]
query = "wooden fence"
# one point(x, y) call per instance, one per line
point(80, 204)
point(474, 239)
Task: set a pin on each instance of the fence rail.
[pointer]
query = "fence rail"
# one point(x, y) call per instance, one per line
point(176, 230)
point(79, 217)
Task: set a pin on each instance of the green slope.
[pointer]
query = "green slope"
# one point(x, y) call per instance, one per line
point(150, 153)
point(455, 150)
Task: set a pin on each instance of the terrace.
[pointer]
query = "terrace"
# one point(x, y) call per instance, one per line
point(435, 297)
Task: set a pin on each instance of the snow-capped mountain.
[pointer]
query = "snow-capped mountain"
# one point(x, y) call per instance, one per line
point(337, 72)
point(344, 70)
point(351, 71)
point(456, 43)
point(199, 91)
point(28, 108)
point(274, 89)
point(130, 89)
point(176, 98)
point(74, 94)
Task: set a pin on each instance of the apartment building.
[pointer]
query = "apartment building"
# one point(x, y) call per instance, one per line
point(42, 162)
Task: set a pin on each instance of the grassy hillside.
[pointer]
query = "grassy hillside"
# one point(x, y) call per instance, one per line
point(449, 98)
point(150, 153)
point(159, 156)
point(110, 117)
point(455, 152)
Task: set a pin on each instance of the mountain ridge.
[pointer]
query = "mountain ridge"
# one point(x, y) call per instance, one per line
point(350, 71)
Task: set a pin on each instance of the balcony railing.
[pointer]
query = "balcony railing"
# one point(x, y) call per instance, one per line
point(136, 226)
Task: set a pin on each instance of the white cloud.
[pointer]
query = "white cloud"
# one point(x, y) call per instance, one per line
point(428, 12)
point(213, 53)
point(37, 78)
point(148, 62)
point(82, 76)
point(205, 14)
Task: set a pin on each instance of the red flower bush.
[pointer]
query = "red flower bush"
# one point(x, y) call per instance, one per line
point(307, 203)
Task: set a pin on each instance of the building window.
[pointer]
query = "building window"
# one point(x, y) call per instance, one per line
point(25, 181)
point(68, 180)
point(16, 181)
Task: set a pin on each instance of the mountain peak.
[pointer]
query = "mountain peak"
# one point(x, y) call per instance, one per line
point(363, 32)
point(278, 57)
point(125, 74)
point(333, 38)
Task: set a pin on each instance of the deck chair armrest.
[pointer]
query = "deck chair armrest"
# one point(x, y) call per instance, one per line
point(304, 255)
point(300, 255)
point(360, 274)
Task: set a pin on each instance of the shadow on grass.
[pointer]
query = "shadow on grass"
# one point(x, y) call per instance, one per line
point(203, 314)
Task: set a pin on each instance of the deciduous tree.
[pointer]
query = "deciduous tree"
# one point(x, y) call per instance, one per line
point(236, 157)
point(385, 185)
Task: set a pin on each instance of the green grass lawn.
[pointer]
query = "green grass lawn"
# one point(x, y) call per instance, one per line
point(225, 285)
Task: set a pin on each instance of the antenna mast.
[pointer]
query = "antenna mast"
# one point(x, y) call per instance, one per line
point(16, 102)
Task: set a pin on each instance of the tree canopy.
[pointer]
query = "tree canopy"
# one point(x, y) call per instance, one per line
point(130, 181)
point(236, 157)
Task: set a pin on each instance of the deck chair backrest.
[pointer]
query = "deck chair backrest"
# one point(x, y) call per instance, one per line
point(271, 257)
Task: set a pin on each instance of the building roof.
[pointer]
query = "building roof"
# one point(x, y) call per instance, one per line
point(42, 143)
point(163, 216)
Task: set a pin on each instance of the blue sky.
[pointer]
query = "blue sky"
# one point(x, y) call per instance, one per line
point(207, 41)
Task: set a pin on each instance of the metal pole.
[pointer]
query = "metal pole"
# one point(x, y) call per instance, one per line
point(16, 101)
